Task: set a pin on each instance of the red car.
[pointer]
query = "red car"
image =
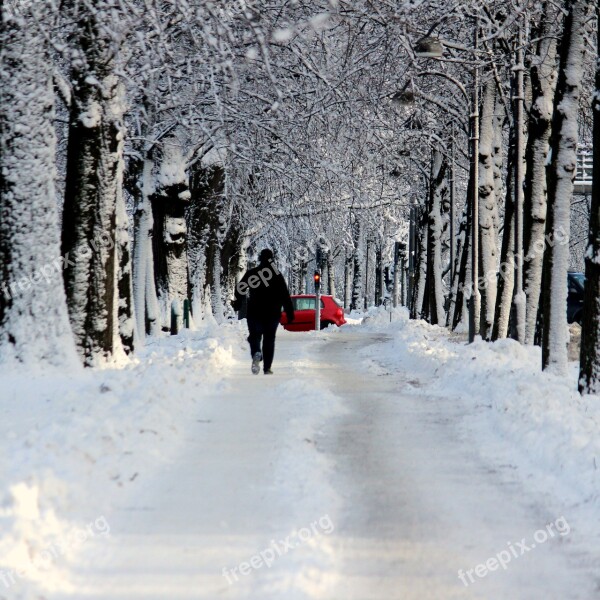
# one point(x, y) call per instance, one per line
point(304, 308)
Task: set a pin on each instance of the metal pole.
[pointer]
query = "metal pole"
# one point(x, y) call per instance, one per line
point(402, 280)
point(452, 205)
point(411, 256)
point(474, 305)
point(518, 320)
point(367, 276)
point(396, 274)
point(317, 300)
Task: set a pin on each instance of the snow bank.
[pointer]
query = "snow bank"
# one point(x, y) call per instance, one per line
point(73, 445)
point(550, 430)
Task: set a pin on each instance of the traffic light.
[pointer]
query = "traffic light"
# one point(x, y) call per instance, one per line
point(317, 279)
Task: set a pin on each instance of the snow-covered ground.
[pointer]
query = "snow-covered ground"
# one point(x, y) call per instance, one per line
point(382, 460)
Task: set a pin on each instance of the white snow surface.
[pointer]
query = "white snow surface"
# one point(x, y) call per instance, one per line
point(404, 452)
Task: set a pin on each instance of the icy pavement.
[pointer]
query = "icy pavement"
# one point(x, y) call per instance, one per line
point(341, 478)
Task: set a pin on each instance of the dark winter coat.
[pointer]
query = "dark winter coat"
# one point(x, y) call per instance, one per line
point(266, 293)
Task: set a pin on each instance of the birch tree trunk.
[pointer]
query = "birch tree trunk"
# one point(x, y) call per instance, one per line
point(34, 325)
point(543, 83)
point(589, 371)
point(94, 163)
point(488, 211)
point(561, 176)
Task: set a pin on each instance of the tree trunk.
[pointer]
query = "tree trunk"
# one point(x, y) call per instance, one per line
point(506, 279)
point(206, 228)
point(543, 83)
point(419, 307)
point(169, 201)
point(94, 162)
point(330, 275)
point(357, 259)
point(124, 284)
point(561, 176)
point(145, 300)
point(34, 325)
point(348, 274)
point(438, 189)
point(589, 373)
point(456, 294)
point(488, 211)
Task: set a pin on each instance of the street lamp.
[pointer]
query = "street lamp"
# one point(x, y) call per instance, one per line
point(429, 47)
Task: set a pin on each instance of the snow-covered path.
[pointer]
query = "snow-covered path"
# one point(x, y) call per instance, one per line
point(390, 497)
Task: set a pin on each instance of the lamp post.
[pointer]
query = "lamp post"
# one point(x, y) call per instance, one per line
point(429, 47)
point(452, 205)
point(475, 302)
point(519, 301)
point(412, 242)
point(402, 250)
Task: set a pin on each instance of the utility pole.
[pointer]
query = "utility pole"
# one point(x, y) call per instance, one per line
point(475, 302)
point(519, 302)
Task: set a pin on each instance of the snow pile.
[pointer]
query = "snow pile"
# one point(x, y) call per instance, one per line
point(74, 445)
point(537, 419)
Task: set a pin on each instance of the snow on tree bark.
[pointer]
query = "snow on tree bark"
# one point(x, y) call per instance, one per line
point(169, 201)
point(488, 211)
point(438, 189)
point(561, 176)
point(34, 325)
point(455, 315)
point(94, 163)
point(589, 371)
point(543, 83)
point(518, 318)
point(126, 313)
point(348, 274)
point(144, 291)
point(506, 280)
point(206, 224)
point(420, 304)
point(357, 260)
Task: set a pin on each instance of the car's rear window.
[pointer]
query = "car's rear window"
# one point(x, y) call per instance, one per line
point(305, 303)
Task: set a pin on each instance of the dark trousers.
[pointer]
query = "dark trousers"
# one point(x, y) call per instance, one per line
point(263, 331)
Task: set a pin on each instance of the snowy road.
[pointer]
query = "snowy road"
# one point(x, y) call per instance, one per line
point(383, 485)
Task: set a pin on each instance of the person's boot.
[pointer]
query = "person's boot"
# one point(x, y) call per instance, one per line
point(268, 372)
point(256, 363)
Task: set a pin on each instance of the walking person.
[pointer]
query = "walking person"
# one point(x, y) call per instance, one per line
point(266, 293)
